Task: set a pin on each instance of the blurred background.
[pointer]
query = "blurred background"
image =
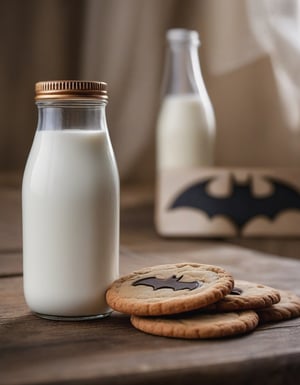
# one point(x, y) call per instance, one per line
point(249, 54)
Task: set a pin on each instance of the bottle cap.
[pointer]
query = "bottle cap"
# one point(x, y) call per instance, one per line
point(183, 35)
point(70, 89)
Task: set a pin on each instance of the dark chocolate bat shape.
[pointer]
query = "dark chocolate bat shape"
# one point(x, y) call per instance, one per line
point(168, 283)
point(236, 291)
point(241, 205)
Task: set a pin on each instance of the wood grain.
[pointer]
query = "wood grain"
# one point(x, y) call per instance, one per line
point(38, 351)
point(111, 351)
point(45, 351)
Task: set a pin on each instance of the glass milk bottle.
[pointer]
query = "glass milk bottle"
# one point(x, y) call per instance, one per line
point(70, 204)
point(186, 122)
point(185, 132)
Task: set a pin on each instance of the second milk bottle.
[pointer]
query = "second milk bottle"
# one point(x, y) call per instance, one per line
point(185, 132)
point(186, 121)
point(70, 203)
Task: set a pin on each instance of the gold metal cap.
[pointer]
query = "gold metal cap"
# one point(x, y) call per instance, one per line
point(71, 89)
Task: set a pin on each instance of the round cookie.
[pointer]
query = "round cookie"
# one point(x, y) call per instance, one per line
point(288, 307)
point(247, 295)
point(169, 289)
point(198, 325)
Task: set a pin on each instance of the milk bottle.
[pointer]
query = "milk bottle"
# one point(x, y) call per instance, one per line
point(185, 132)
point(70, 204)
point(186, 123)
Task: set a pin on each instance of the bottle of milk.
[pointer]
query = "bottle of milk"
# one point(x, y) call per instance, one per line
point(186, 123)
point(70, 204)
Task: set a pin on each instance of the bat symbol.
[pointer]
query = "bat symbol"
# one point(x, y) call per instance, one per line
point(172, 282)
point(236, 291)
point(241, 205)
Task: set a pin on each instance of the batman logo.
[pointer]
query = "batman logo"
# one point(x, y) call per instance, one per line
point(172, 282)
point(241, 206)
point(236, 291)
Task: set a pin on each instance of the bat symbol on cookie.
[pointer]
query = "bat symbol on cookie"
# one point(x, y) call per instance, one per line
point(236, 291)
point(241, 205)
point(172, 282)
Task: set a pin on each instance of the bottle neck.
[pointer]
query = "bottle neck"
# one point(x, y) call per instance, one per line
point(182, 69)
point(70, 114)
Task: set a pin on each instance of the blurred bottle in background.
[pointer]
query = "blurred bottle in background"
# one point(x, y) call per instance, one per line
point(186, 122)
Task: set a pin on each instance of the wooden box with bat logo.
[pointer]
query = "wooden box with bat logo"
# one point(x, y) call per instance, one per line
point(219, 202)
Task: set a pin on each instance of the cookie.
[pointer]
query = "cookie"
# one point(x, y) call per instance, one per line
point(247, 295)
point(198, 325)
point(288, 307)
point(169, 289)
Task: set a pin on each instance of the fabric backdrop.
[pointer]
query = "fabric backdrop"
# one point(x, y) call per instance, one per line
point(122, 42)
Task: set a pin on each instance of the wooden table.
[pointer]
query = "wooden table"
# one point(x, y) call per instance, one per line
point(111, 351)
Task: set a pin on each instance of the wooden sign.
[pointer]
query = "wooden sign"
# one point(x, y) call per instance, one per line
point(219, 202)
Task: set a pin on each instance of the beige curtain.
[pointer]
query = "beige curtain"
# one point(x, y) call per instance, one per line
point(39, 40)
point(122, 42)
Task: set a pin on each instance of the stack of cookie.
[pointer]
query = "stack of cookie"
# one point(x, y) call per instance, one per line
point(191, 300)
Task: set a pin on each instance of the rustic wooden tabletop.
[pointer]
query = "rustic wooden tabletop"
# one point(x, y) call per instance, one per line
point(111, 351)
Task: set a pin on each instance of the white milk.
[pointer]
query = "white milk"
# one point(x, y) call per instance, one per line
point(185, 133)
point(70, 223)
